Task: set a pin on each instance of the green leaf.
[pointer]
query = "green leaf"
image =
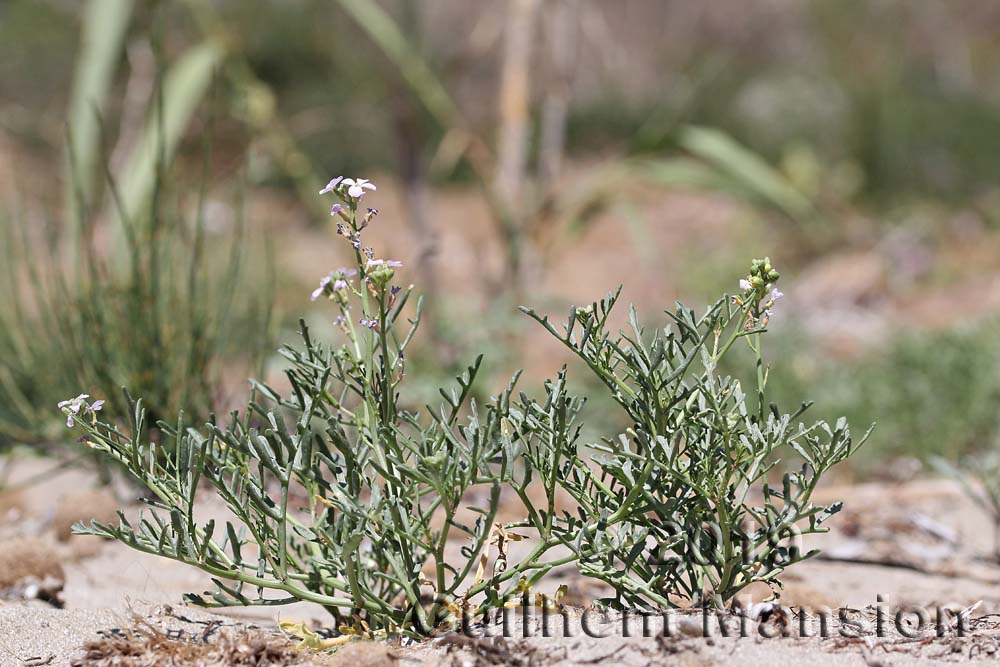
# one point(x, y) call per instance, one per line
point(105, 24)
point(184, 87)
point(744, 172)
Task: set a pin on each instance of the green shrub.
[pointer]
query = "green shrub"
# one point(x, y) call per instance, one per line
point(687, 484)
point(344, 496)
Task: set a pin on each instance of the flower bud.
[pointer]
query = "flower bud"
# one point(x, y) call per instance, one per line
point(757, 283)
point(381, 275)
point(434, 461)
point(773, 275)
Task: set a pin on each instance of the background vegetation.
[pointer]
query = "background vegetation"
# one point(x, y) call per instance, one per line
point(567, 146)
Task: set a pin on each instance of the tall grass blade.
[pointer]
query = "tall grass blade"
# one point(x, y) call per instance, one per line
point(184, 87)
point(105, 24)
point(388, 36)
point(745, 171)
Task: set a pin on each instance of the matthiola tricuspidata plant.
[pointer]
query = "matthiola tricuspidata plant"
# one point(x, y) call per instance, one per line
point(341, 495)
point(691, 515)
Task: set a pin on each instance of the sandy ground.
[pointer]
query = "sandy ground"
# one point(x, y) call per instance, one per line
point(920, 543)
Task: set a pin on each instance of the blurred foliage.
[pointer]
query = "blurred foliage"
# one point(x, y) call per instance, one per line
point(126, 291)
point(184, 86)
point(979, 477)
point(164, 318)
point(903, 92)
point(37, 46)
point(931, 393)
point(860, 105)
point(105, 25)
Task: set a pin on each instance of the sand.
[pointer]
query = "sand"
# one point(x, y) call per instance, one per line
point(926, 545)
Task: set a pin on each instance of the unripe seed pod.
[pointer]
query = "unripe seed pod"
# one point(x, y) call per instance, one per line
point(434, 460)
point(382, 275)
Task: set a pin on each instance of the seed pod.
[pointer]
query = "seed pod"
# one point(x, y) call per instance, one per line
point(434, 460)
point(381, 275)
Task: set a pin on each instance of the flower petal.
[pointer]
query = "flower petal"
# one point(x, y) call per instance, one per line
point(331, 185)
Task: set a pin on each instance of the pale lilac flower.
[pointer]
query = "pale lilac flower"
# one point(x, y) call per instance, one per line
point(336, 208)
point(318, 292)
point(78, 407)
point(74, 404)
point(370, 324)
point(356, 187)
point(376, 263)
point(332, 185)
point(338, 280)
point(775, 295)
point(744, 284)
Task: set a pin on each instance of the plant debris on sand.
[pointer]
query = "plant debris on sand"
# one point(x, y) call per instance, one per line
point(145, 645)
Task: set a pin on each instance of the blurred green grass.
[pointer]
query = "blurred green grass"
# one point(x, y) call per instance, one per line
point(931, 393)
point(840, 77)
